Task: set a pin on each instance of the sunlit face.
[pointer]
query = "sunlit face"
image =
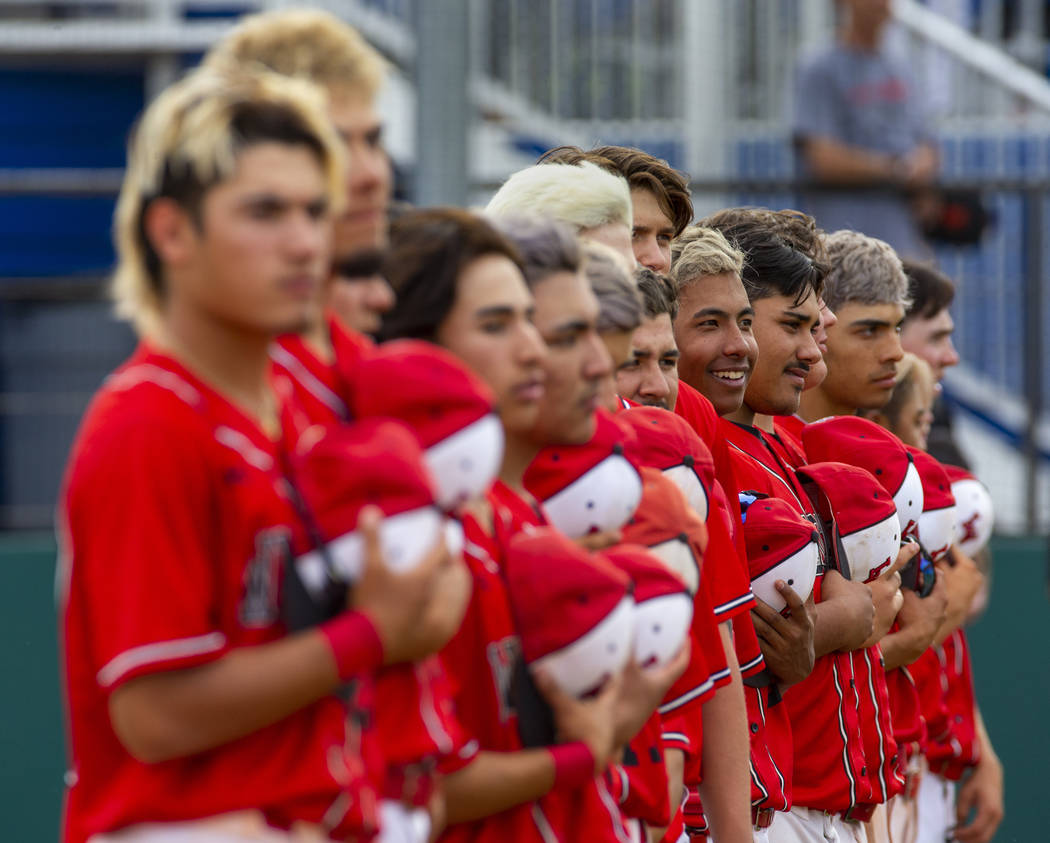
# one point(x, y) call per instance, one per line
point(931, 339)
point(616, 236)
point(787, 350)
point(489, 328)
point(369, 176)
point(258, 257)
point(618, 344)
point(649, 375)
point(863, 351)
point(653, 231)
point(577, 360)
point(714, 335)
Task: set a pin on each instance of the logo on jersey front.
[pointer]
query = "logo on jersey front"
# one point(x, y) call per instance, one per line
point(262, 577)
point(503, 655)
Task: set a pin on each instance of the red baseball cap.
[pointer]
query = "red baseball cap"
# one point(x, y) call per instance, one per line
point(587, 488)
point(975, 512)
point(937, 522)
point(450, 409)
point(861, 442)
point(866, 531)
point(341, 469)
point(665, 441)
point(781, 545)
point(663, 607)
point(669, 527)
point(573, 609)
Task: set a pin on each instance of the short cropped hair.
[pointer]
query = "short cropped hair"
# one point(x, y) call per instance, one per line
point(772, 264)
point(699, 252)
point(612, 282)
point(546, 246)
point(930, 290)
point(582, 196)
point(429, 249)
point(307, 43)
point(864, 270)
point(187, 142)
point(658, 293)
point(642, 171)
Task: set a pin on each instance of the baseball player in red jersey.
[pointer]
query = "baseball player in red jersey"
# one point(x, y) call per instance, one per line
point(195, 712)
point(927, 333)
point(619, 327)
point(790, 350)
point(864, 347)
point(465, 291)
point(713, 331)
point(592, 488)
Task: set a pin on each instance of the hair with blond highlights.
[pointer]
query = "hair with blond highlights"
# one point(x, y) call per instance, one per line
point(642, 171)
point(864, 270)
point(188, 141)
point(305, 43)
point(581, 195)
point(699, 252)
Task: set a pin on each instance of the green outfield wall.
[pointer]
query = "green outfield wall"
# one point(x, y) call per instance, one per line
point(1011, 652)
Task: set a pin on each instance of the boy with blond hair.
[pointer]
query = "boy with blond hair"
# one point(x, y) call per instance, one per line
point(191, 712)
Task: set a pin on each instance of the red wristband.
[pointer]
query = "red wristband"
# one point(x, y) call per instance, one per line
point(355, 644)
point(573, 764)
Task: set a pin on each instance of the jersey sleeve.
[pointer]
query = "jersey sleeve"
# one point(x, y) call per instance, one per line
point(727, 580)
point(142, 518)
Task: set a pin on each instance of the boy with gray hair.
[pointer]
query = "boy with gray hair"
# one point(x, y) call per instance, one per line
point(868, 291)
point(593, 201)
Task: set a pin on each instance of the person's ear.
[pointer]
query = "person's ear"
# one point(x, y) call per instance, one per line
point(170, 231)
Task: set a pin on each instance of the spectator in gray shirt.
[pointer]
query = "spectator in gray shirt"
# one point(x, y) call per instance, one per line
point(858, 122)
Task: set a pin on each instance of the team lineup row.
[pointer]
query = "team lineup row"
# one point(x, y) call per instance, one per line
point(570, 520)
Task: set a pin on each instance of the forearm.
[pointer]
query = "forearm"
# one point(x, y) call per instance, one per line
point(833, 162)
point(836, 627)
point(725, 790)
point(904, 646)
point(987, 750)
point(176, 713)
point(496, 781)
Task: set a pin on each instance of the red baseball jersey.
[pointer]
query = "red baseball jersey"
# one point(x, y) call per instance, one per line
point(318, 391)
point(479, 660)
point(881, 756)
point(414, 716)
point(731, 586)
point(789, 430)
point(829, 772)
point(685, 734)
point(176, 524)
point(933, 697)
point(639, 782)
point(961, 750)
